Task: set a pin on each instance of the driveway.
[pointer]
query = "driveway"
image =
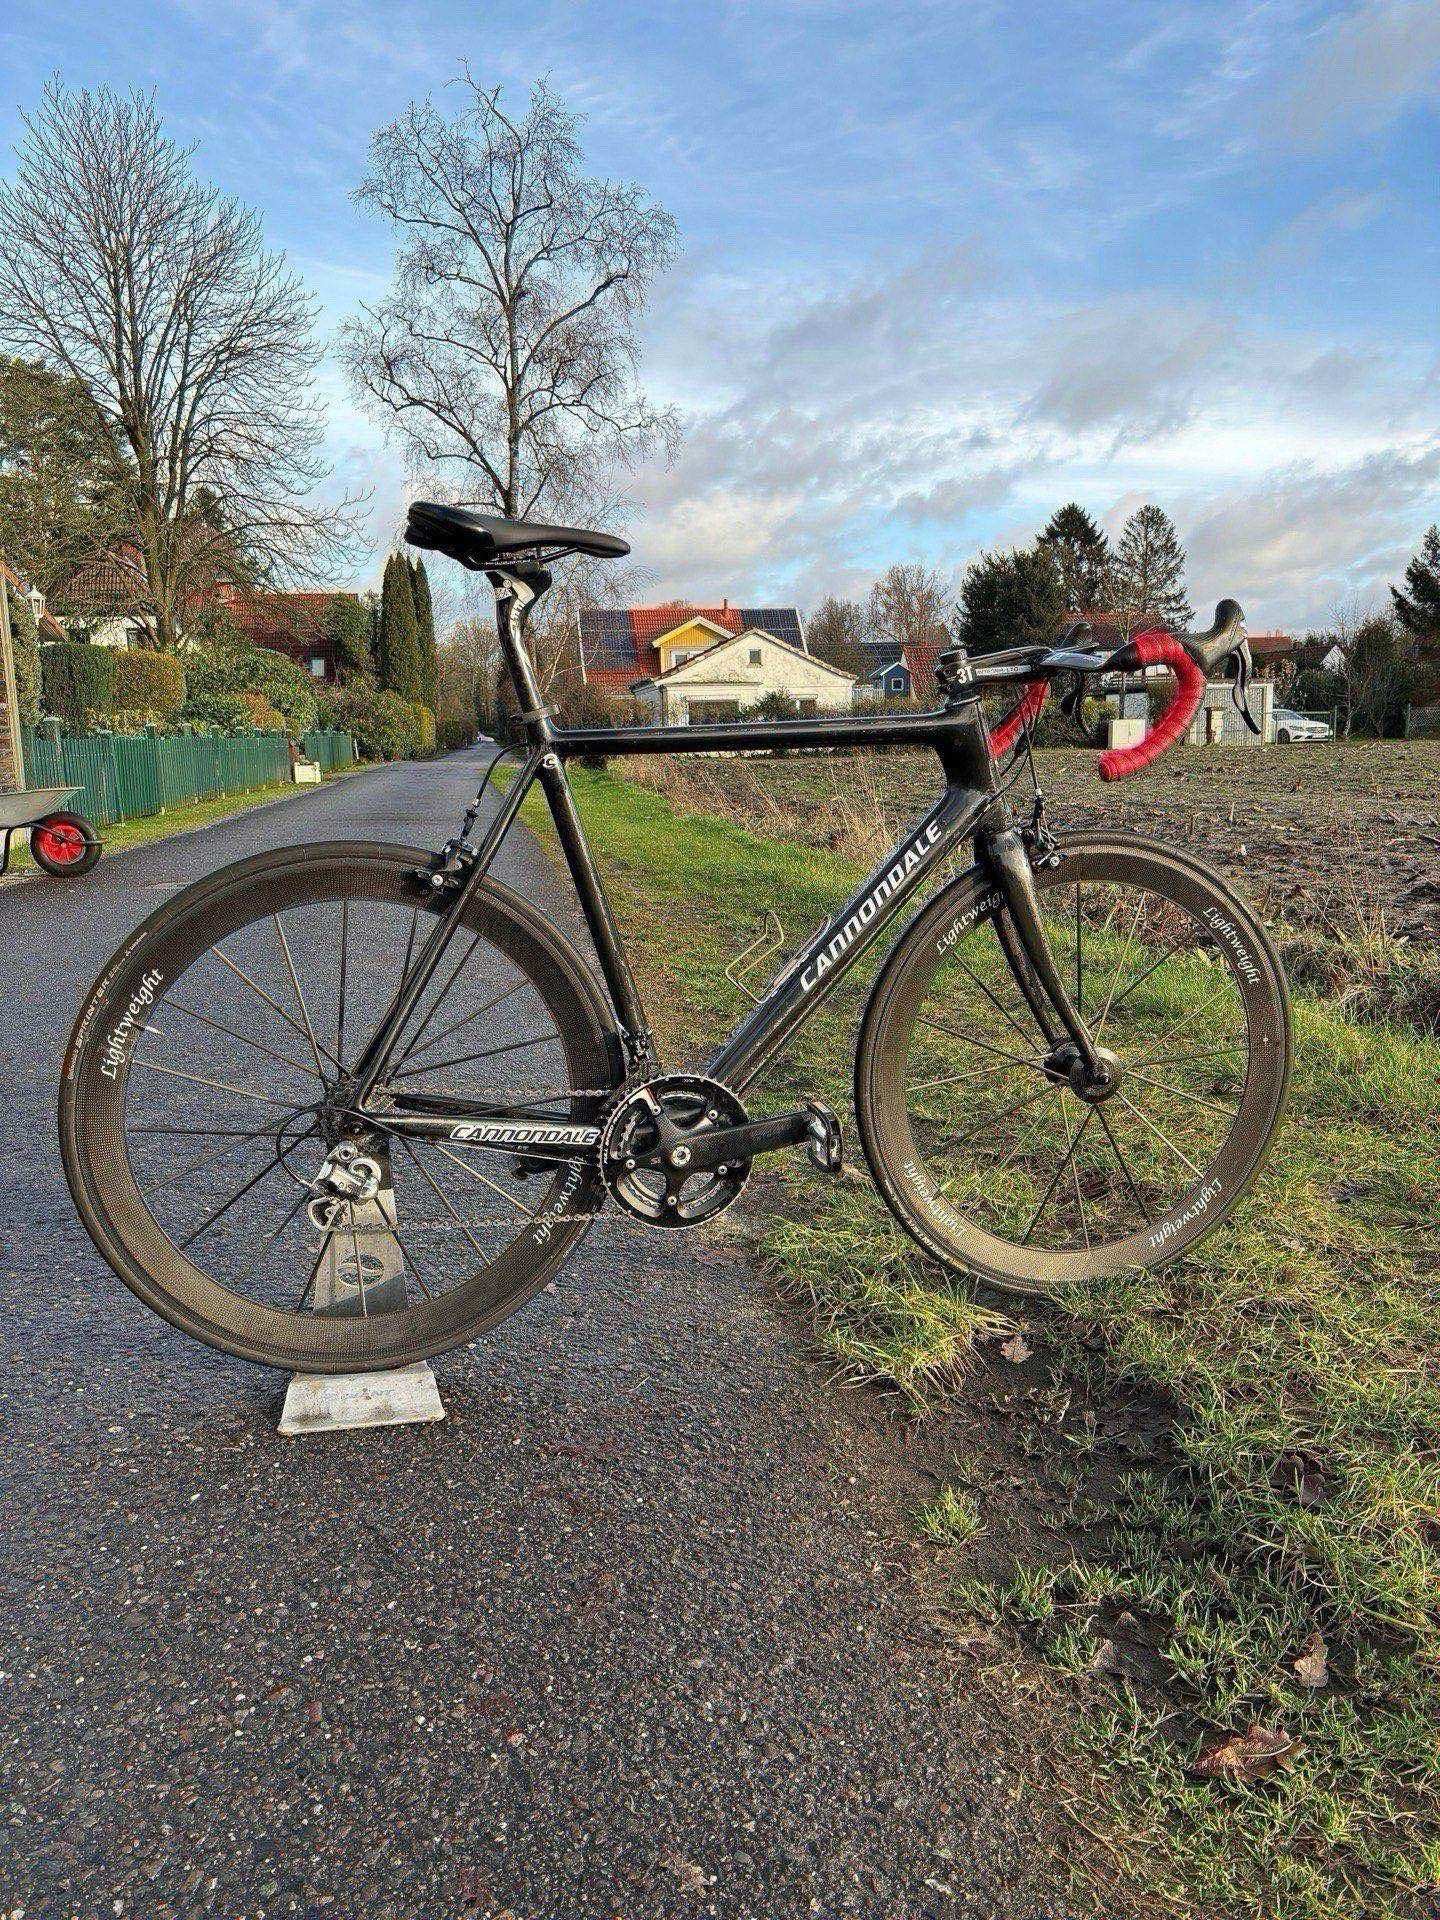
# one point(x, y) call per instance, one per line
point(632, 1634)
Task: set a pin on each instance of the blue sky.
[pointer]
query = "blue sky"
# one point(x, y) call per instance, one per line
point(945, 265)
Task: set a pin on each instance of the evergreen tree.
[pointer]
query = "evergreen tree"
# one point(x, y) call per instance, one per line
point(1082, 558)
point(1010, 600)
point(1149, 575)
point(425, 628)
point(397, 647)
point(348, 629)
point(1418, 609)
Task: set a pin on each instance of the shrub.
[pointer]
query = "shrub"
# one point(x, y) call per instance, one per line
point(230, 667)
point(148, 685)
point(78, 682)
point(424, 729)
point(263, 717)
point(452, 731)
point(218, 712)
point(384, 726)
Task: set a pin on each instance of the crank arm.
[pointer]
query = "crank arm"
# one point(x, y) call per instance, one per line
point(726, 1146)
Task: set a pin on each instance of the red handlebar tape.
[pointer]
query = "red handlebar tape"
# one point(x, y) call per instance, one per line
point(1006, 730)
point(1157, 649)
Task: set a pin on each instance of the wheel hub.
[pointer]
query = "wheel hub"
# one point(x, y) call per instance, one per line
point(645, 1151)
point(1064, 1066)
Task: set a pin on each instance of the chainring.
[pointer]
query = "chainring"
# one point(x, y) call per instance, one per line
point(643, 1151)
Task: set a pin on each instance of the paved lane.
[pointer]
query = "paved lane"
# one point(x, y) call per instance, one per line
point(626, 1636)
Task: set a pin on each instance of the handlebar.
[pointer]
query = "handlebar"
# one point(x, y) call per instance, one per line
point(1191, 657)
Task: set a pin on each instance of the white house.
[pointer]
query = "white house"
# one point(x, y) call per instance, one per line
point(707, 676)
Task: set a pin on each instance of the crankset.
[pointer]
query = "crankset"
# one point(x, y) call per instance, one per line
point(678, 1150)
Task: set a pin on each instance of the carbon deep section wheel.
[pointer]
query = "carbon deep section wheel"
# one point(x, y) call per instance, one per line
point(197, 1109)
point(973, 1123)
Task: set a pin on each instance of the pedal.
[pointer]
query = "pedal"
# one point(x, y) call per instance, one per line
point(824, 1144)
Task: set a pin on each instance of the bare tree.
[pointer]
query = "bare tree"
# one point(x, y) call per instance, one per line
point(505, 353)
point(909, 606)
point(194, 342)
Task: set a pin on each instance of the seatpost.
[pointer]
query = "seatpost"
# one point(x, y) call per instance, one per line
point(516, 591)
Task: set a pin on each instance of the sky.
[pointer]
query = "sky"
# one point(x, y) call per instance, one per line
point(946, 264)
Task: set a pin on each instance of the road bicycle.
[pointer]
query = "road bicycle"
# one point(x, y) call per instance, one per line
point(1072, 1061)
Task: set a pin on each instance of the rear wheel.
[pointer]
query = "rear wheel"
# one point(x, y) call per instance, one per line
point(199, 1104)
point(971, 1121)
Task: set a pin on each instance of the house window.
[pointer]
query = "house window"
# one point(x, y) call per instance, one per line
point(896, 683)
point(807, 706)
point(755, 656)
point(317, 666)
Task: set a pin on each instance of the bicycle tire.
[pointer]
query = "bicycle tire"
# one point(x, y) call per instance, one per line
point(101, 1054)
point(898, 1164)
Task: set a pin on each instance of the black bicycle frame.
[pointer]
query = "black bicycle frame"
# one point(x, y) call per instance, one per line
point(971, 806)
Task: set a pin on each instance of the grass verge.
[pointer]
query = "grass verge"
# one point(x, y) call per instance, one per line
point(1251, 1623)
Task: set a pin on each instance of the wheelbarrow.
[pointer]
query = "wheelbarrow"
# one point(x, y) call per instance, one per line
point(61, 842)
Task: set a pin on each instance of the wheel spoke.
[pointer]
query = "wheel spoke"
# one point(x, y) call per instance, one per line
point(475, 1174)
point(1003, 1011)
point(220, 954)
point(1135, 1192)
point(1168, 1086)
point(1059, 1172)
point(439, 1000)
point(974, 1040)
point(1074, 1165)
point(479, 1014)
point(344, 976)
point(176, 1006)
point(489, 1053)
point(221, 1211)
point(441, 1196)
point(222, 1086)
point(199, 1166)
point(300, 999)
point(1119, 968)
point(1159, 1132)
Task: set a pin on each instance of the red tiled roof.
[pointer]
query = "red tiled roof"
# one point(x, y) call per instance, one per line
point(920, 657)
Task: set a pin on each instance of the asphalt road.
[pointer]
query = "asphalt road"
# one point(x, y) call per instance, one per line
point(632, 1634)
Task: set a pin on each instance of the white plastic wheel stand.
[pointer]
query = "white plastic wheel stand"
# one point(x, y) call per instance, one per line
point(333, 1402)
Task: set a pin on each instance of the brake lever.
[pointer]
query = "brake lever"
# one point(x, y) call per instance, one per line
point(1244, 667)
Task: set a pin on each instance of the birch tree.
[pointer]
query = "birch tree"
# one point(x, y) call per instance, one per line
point(504, 355)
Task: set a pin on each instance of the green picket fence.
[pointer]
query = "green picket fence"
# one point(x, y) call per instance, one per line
point(127, 776)
point(330, 749)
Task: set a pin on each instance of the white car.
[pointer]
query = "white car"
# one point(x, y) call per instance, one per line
point(1290, 725)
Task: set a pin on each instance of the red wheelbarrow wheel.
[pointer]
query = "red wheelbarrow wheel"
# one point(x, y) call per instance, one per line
point(64, 844)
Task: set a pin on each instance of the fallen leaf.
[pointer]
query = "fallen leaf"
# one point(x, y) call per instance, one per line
point(1312, 1667)
point(1249, 1755)
point(1106, 1658)
point(1016, 1348)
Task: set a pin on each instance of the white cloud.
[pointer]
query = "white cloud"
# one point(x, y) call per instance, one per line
point(1364, 71)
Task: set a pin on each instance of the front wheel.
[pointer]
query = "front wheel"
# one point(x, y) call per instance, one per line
point(974, 1132)
point(203, 1094)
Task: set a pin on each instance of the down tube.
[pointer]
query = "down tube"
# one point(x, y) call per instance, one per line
point(824, 961)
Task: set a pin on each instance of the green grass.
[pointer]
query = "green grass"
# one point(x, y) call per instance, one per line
point(1300, 1351)
point(157, 826)
point(952, 1518)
